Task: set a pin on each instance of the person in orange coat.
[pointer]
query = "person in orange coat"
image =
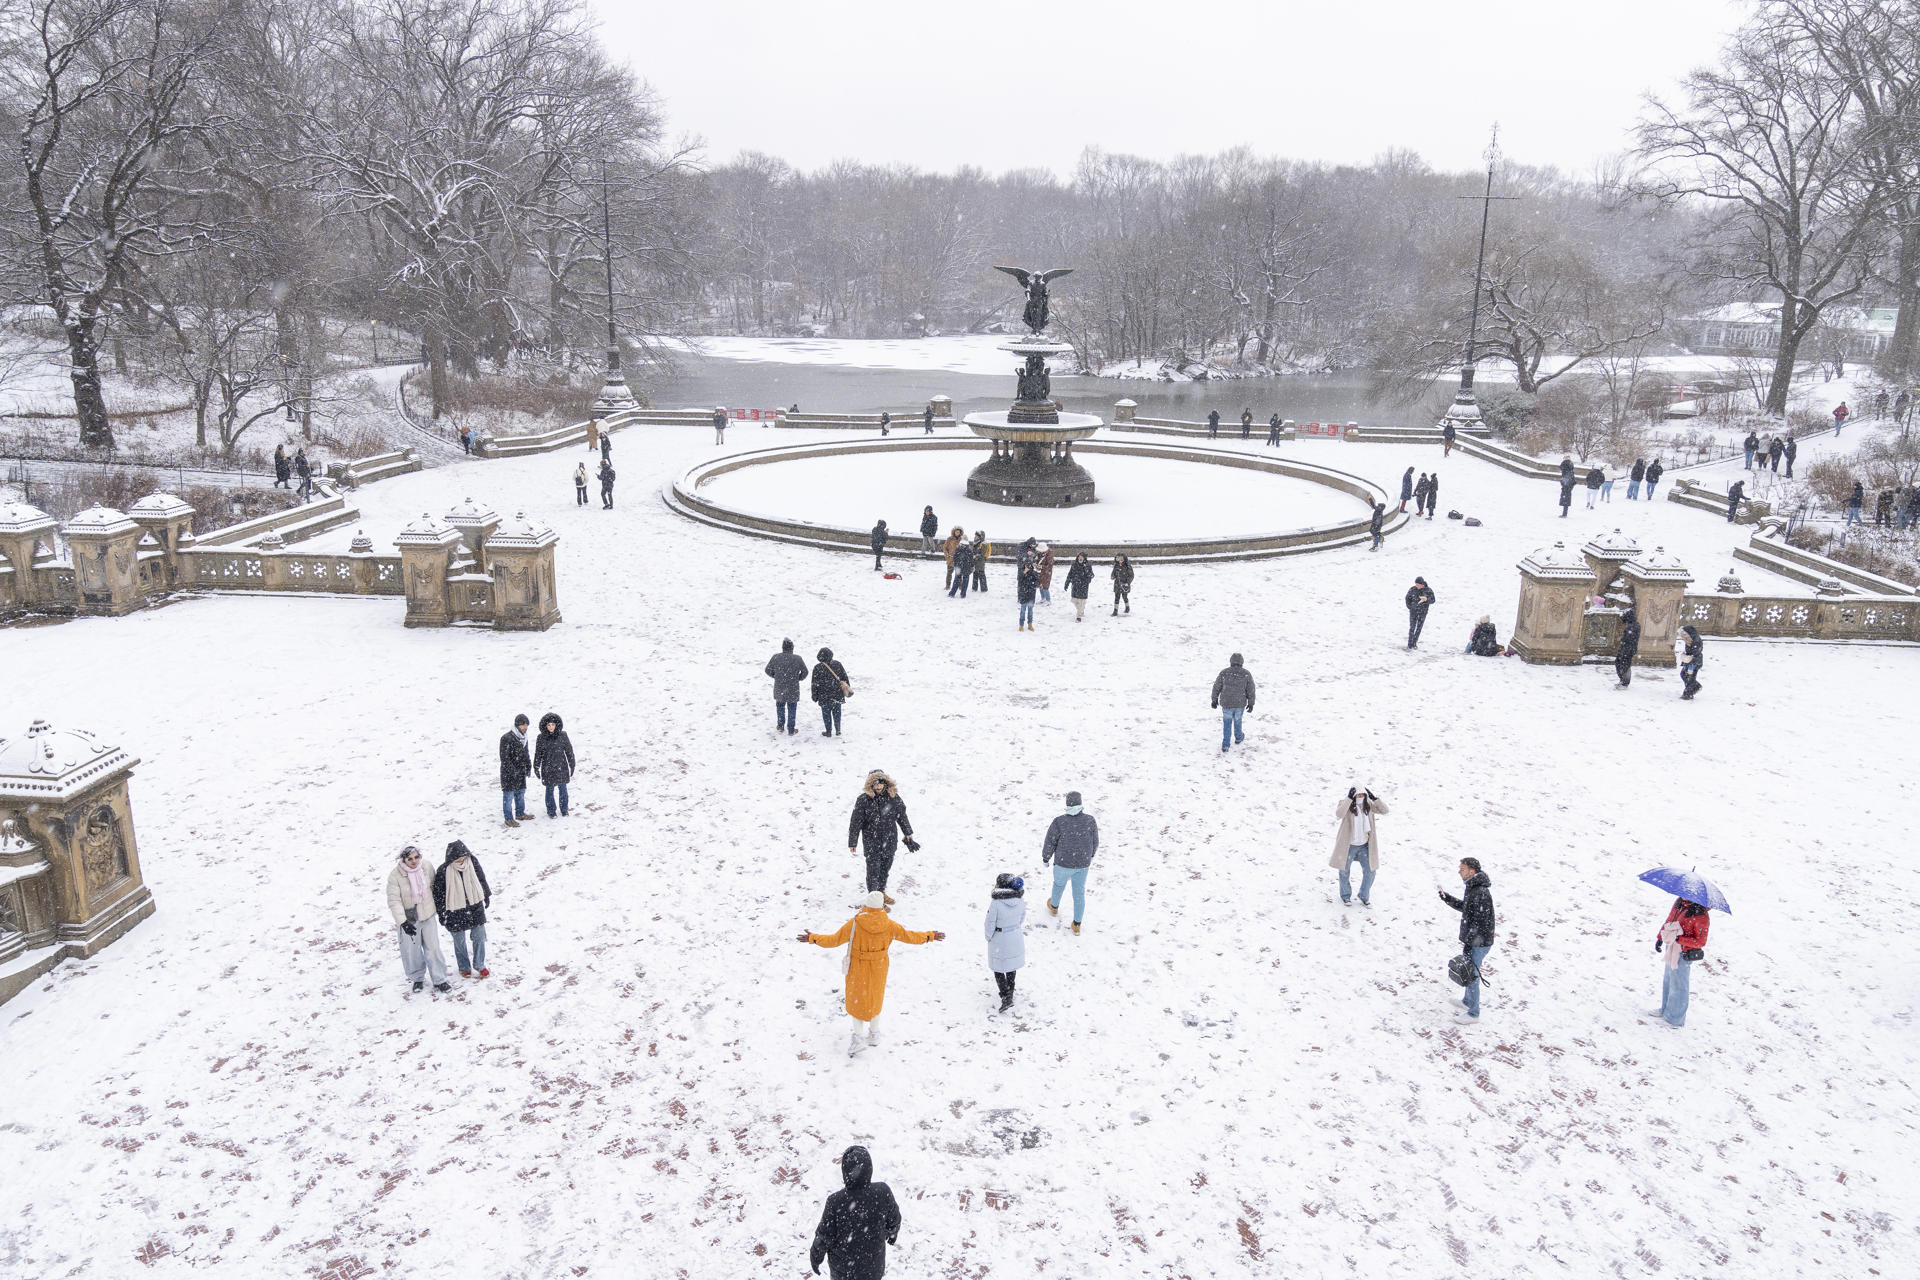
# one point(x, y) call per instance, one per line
point(869, 934)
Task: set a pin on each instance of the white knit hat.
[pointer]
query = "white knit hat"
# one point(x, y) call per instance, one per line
point(876, 901)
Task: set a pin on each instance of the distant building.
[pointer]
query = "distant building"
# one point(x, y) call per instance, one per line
point(1753, 328)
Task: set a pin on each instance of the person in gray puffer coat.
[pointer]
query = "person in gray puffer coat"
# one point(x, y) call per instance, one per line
point(788, 669)
point(1006, 933)
point(1233, 695)
point(1072, 840)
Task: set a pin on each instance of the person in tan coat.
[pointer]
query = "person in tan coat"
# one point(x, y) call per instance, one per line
point(593, 434)
point(867, 937)
point(954, 539)
point(1358, 840)
point(410, 900)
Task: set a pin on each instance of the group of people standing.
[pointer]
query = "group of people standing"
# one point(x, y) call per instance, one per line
point(285, 468)
point(1424, 494)
point(1033, 572)
point(1767, 455)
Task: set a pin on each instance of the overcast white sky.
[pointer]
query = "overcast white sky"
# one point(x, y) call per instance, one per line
point(943, 84)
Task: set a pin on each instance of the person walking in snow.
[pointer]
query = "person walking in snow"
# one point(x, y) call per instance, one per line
point(926, 417)
point(1045, 565)
point(1374, 525)
point(1883, 509)
point(1072, 839)
point(1791, 452)
point(593, 434)
point(1693, 656)
point(410, 899)
point(867, 936)
point(282, 469)
point(1629, 647)
point(879, 540)
point(1880, 403)
point(553, 761)
point(719, 424)
point(1420, 495)
point(1122, 576)
point(952, 543)
point(1406, 488)
point(1840, 415)
point(831, 688)
point(606, 483)
point(982, 549)
point(886, 423)
point(304, 470)
point(1233, 697)
point(1683, 937)
point(962, 568)
point(580, 484)
point(606, 446)
point(1433, 494)
point(1079, 583)
point(1634, 477)
point(1854, 501)
point(1654, 469)
point(1594, 479)
point(1420, 598)
point(1026, 587)
point(461, 896)
point(1448, 434)
point(858, 1223)
point(516, 762)
point(1566, 468)
point(1775, 448)
point(1477, 925)
point(879, 815)
point(1750, 444)
point(1006, 933)
point(1213, 424)
point(929, 530)
point(1357, 840)
point(787, 669)
point(1735, 496)
point(1246, 423)
point(1566, 494)
point(1273, 430)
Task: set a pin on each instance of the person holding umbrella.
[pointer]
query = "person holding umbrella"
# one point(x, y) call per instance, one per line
point(1683, 937)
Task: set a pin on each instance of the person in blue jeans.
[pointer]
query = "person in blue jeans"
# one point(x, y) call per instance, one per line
point(553, 761)
point(1475, 906)
point(1358, 840)
point(1684, 939)
point(1232, 697)
point(1072, 840)
point(461, 896)
point(787, 669)
point(515, 764)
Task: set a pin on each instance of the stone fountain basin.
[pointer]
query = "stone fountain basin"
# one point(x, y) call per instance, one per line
point(1072, 426)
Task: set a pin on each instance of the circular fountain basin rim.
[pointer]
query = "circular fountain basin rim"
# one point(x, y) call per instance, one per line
point(1072, 426)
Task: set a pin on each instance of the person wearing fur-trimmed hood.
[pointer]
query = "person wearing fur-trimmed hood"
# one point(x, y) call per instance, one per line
point(1006, 933)
point(877, 813)
point(867, 936)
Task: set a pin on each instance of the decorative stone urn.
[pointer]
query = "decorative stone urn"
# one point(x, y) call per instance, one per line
point(1123, 410)
point(426, 557)
point(1554, 585)
point(70, 880)
point(104, 546)
point(521, 552)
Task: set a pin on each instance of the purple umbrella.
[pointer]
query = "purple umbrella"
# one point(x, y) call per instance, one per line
point(1689, 885)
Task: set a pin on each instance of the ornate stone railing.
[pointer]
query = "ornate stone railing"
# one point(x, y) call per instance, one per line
point(1802, 617)
point(353, 573)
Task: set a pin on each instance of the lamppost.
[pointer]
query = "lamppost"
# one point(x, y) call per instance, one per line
point(1464, 412)
point(615, 395)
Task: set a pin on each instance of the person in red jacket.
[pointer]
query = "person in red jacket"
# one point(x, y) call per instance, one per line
point(1684, 938)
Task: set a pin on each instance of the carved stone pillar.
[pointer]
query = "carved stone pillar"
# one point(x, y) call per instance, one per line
point(521, 552)
point(21, 529)
point(170, 521)
point(1554, 585)
point(104, 546)
point(1658, 581)
point(426, 556)
point(476, 523)
point(1123, 410)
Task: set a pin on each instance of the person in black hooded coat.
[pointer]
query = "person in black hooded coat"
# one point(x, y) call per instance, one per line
point(879, 819)
point(1629, 647)
point(1406, 489)
point(830, 686)
point(1691, 661)
point(858, 1223)
point(553, 760)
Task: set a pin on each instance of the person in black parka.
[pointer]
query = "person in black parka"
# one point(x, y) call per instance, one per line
point(858, 1223)
point(1735, 496)
point(1406, 489)
point(876, 814)
point(1477, 924)
point(787, 670)
point(962, 569)
point(1433, 493)
point(606, 483)
point(1079, 582)
point(282, 469)
point(1213, 423)
point(515, 764)
point(929, 531)
point(879, 540)
point(1122, 576)
point(1629, 647)
point(1373, 525)
point(1691, 662)
point(830, 687)
point(553, 760)
point(1420, 598)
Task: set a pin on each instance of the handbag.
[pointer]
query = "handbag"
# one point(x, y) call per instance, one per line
point(1462, 969)
point(1693, 953)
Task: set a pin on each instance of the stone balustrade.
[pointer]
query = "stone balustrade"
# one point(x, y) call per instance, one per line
point(1851, 617)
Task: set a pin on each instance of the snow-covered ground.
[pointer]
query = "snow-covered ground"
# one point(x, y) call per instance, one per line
point(1228, 1074)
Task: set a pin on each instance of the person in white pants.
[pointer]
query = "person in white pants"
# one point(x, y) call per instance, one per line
point(410, 899)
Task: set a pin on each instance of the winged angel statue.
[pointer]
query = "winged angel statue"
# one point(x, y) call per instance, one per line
point(1035, 283)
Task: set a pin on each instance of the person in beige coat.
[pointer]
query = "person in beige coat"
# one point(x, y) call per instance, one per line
point(1357, 841)
point(410, 899)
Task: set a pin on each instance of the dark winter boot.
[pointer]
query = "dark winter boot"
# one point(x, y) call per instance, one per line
point(419, 984)
point(512, 823)
point(1006, 1003)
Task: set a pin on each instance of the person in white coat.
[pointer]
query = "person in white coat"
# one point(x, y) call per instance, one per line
point(1357, 841)
point(410, 899)
point(1006, 933)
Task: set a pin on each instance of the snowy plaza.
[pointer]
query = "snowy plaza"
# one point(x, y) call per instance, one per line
point(1228, 1073)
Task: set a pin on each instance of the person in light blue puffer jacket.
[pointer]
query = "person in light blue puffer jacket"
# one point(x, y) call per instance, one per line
point(1006, 933)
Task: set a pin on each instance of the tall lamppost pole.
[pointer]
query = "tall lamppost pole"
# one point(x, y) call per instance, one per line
point(615, 395)
point(1465, 410)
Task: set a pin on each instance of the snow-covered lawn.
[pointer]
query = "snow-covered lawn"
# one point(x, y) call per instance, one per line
point(1228, 1074)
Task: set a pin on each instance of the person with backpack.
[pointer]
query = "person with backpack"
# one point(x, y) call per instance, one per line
point(877, 812)
point(1629, 648)
point(1634, 477)
point(410, 900)
point(553, 761)
point(1233, 697)
point(867, 936)
point(929, 530)
point(1683, 937)
point(580, 485)
point(516, 762)
point(1079, 583)
point(1692, 658)
point(1122, 576)
point(857, 1224)
point(461, 896)
point(1477, 925)
point(606, 481)
point(1654, 470)
point(787, 669)
point(1419, 599)
point(1072, 839)
point(1006, 933)
point(1357, 840)
point(831, 687)
point(962, 571)
point(1374, 525)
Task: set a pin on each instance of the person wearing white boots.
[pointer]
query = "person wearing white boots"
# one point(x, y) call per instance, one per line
point(867, 937)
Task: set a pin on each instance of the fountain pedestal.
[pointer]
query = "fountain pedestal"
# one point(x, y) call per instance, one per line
point(1032, 463)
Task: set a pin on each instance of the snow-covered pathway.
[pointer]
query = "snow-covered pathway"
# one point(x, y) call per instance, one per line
point(1229, 1073)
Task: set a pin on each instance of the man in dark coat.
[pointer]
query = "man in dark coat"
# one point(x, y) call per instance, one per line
point(1080, 582)
point(1233, 696)
point(962, 569)
point(1447, 436)
point(606, 483)
point(1026, 587)
point(1629, 647)
point(1213, 424)
point(981, 548)
point(1735, 496)
point(1774, 451)
point(1273, 429)
point(1246, 424)
point(304, 470)
point(1655, 469)
point(1566, 493)
point(719, 426)
point(606, 445)
point(553, 761)
point(876, 814)
point(858, 1223)
point(1750, 444)
point(1883, 508)
point(788, 669)
point(1406, 488)
point(515, 764)
point(1420, 487)
point(1122, 577)
point(879, 539)
point(1072, 839)
point(1634, 477)
point(929, 531)
point(1420, 598)
point(1854, 501)
point(830, 687)
point(1433, 494)
point(1792, 451)
point(1594, 480)
point(927, 417)
point(1373, 525)
point(1475, 906)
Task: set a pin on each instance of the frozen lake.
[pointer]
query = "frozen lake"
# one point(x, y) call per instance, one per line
point(1140, 498)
